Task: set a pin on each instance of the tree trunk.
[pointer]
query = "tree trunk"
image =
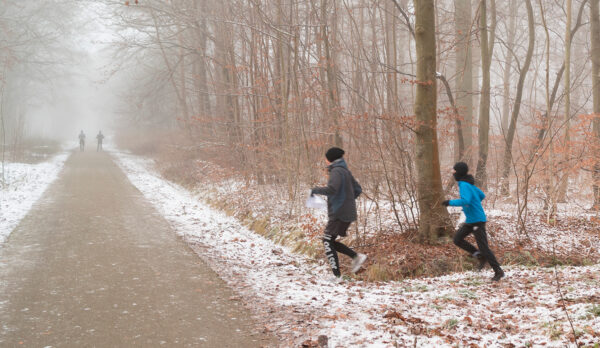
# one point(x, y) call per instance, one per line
point(328, 72)
point(507, 159)
point(434, 220)
point(464, 77)
point(202, 73)
point(487, 51)
point(179, 93)
point(3, 125)
point(512, 30)
point(559, 74)
point(549, 184)
point(562, 190)
point(595, 38)
point(227, 100)
point(332, 85)
point(391, 60)
point(282, 61)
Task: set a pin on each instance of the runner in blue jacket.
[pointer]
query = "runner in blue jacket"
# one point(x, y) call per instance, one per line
point(470, 200)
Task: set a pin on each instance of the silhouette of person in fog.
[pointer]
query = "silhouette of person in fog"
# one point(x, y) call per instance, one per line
point(100, 137)
point(81, 141)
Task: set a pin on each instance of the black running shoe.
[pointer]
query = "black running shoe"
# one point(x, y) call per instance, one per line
point(498, 274)
point(482, 262)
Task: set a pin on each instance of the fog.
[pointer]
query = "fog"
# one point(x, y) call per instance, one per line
point(54, 65)
point(249, 83)
point(77, 102)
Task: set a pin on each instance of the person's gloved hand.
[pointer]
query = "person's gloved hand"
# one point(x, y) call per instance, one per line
point(446, 203)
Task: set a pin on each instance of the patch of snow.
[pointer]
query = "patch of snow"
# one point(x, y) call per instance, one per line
point(523, 309)
point(25, 184)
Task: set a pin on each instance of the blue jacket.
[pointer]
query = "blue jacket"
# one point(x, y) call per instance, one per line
point(470, 200)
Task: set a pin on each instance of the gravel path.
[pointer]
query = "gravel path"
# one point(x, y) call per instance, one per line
point(94, 265)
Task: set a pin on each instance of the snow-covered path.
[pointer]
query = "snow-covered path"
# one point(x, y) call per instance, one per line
point(93, 264)
point(525, 309)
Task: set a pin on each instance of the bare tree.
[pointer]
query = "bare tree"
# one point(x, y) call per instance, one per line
point(595, 57)
point(464, 78)
point(487, 51)
point(279, 81)
point(565, 178)
point(507, 158)
point(510, 46)
point(434, 219)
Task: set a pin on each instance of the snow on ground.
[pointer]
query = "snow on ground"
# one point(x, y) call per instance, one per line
point(540, 237)
point(25, 184)
point(551, 239)
point(525, 309)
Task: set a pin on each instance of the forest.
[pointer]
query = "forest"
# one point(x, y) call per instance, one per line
point(260, 89)
point(407, 89)
point(158, 158)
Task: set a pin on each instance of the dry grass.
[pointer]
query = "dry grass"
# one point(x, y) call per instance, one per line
point(33, 150)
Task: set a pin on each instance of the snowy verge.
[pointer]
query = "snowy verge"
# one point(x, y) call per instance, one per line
point(524, 309)
point(24, 185)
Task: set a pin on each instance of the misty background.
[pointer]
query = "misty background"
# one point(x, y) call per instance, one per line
point(58, 70)
point(261, 89)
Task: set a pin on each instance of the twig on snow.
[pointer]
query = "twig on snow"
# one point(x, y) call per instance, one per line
point(562, 301)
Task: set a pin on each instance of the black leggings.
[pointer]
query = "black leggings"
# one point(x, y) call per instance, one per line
point(332, 248)
point(478, 230)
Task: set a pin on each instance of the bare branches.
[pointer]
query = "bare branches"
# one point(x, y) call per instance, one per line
point(406, 18)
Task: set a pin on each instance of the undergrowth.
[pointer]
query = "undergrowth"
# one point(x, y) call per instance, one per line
point(392, 255)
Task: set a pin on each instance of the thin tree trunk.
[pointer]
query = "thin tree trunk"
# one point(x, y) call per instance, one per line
point(549, 185)
point(507, 159)
point(391, 59)
point(202, 79)
point(512, 30)
point(487, 51)
point(559, 74)
point(2, 123)
point(180, 94)
point(464, 79)
point(562, 190)
point(331, 71)
point(595, 38)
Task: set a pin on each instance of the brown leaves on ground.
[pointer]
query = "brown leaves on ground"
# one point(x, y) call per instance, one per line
point(321, 342)
point(394, 256)
point(309, 344)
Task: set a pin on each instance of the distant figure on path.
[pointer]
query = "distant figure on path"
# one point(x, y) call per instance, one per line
point(81, 141)
point(470, 200)
point(341, 191)
point(100, 136)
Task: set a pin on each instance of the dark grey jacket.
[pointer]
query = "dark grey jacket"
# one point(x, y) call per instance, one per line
point(341, 191)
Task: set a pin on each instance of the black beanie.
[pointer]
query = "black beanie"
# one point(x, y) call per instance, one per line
point(334, 153)
point(461, 169)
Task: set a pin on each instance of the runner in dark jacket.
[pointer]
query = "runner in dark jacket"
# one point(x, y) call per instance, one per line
point(99, 137)
point(81, 141)
point(341, 191)
point(470, 200)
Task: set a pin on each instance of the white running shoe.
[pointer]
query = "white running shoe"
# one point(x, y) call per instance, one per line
point(358, 261)
point(335, 280)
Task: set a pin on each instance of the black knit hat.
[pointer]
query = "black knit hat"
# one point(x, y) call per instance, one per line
point(334, 153)
point(461, 169)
